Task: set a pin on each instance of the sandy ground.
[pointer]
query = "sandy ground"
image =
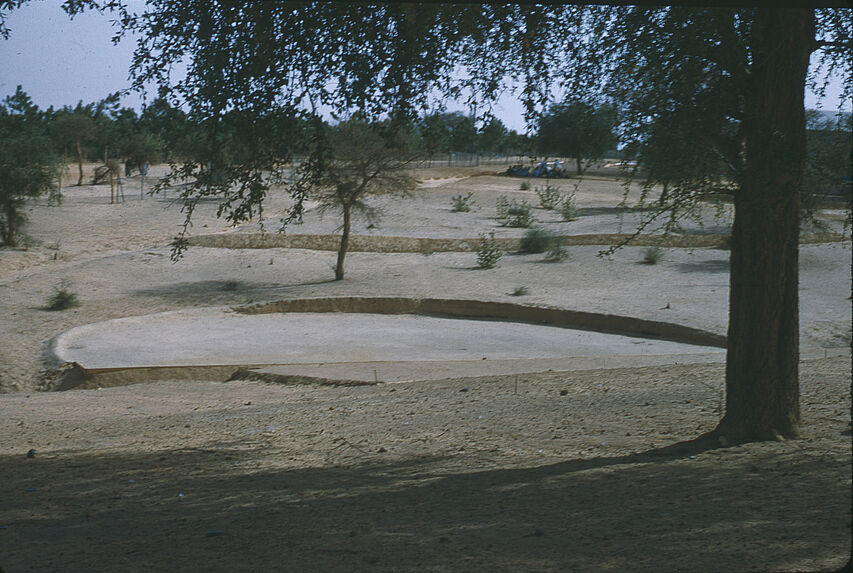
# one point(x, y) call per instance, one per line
point(552, 471)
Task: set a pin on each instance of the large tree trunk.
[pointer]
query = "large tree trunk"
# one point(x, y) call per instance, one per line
point(79, 163)
point(762, 388)
point(342, 251)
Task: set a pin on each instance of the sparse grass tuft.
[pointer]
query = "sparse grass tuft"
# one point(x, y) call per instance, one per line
point(514, 214)
point(520, 291)
point(652, 256)
point(556, 253)
point(62, 297)
point(549, 197)
point(568, 210)
point(462, 203)
point(525, 186)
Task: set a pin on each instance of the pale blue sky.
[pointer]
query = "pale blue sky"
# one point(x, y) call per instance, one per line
point(60, 61)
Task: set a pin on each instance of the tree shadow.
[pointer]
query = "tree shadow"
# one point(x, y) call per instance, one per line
point(712, 266)
point(194, 292)
point(594, 211)
point(708, 230)
point(223, 508)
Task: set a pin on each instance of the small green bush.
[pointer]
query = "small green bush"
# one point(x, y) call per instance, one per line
point(525, 186)
point(502, 207)
point(652, 256)
point(568, 210)
point(520, 291)
point(556, 253)
point(62, 297)
point(549, 197)
point(462, 203)
point(488, 251)
point(515, 214)
point(537, 240)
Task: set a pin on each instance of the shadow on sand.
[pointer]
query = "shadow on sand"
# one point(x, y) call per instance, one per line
point(222, 508)
point(220, 291)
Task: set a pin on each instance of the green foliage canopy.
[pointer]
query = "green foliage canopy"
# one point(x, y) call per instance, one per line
point(29, 166)
point(577, 129)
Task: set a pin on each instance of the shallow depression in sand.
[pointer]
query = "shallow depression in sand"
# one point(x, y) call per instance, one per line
point(216, 337)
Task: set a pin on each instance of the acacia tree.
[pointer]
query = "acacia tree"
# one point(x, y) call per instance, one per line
point(830, 154)
point(577, 129)
point(362, 160)
point(746, 68)
point(75, 130)
point(28, 163)
point(492, 136)
point(731, 93)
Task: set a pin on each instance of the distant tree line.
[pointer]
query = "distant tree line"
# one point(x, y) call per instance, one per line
point(36, 144)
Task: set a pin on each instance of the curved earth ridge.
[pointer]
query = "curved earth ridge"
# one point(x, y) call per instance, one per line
point(392, 244)
point(304, 346)
point(487, 310)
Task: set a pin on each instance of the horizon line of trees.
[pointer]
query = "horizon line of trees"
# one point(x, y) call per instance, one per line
point(105, 132)
point(102, 130)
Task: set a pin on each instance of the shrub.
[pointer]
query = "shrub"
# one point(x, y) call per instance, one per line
point(549, 197)
point(62, 297)
point(515, 214)
point(502, 206)
point(462, 203)
point(652, 256)
point(525, 186)
point(568, 209)
point(520, 291)
point(556, 253)
point(537, 240)
point(488, 251)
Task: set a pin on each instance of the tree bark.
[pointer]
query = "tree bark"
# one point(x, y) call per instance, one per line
point(342, 251)
point(79, 163)
point(664, 195)
point(578, 164)
point(762, 388)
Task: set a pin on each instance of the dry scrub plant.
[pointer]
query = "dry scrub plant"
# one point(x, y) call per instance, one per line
point(488, 251)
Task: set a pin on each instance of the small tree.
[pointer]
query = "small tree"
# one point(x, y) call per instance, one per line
point(363, 160)
point(74, 130)
point(829, 143)
point(113, 170)
point(492, 137)
point(141, 150)
point(28, 164)
point(577, 129)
